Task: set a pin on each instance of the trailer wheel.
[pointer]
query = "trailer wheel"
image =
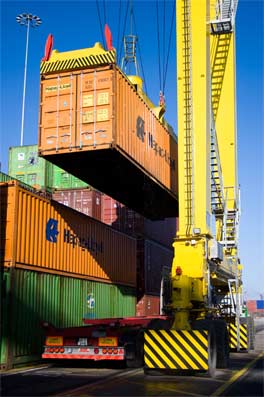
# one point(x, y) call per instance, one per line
point(135, 352)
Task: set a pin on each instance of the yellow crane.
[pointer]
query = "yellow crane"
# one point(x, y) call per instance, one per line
point(206, 272)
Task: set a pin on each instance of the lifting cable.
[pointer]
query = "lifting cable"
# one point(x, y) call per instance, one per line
point(167, 61)
point(101, 26)
point(104, 12)
point(119, 19)
point(157, 12)
point(122, 37)
point(140, 58)
point(161, 52)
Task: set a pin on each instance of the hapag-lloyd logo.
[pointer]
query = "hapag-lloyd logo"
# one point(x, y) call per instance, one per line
point(141, 134)
point(87, 242)
point(52, 230)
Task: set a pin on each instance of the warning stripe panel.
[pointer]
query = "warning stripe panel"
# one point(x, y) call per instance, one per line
point(233, 342)
point(76, 63)
point(183, 350)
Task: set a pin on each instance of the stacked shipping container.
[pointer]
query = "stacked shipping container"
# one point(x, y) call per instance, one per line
point(29, 297)
point(87, 201)
point(57, 265)
point(255, 307)
point(128, 221)
point(25, 165)
point(28, 167)
point(44, 240)
point(43, 235)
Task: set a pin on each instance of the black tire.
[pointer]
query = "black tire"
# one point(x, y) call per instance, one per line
point(135, 352)
point(208, 325)
point(222, 344)
point(131, 356)
point(212, 353)
point(250, 333)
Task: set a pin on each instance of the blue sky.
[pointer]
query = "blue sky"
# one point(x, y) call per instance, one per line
point(75, 24)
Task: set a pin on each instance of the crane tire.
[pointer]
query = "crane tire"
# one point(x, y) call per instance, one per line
point(207, 325)
point(222, 343)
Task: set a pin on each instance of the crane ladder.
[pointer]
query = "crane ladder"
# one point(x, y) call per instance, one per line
point(188, 117)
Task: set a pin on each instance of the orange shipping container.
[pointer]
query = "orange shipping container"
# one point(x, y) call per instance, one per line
point(43, 235)
point(95, 125)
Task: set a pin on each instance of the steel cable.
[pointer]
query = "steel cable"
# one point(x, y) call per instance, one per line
point(167, 61)
point(100, 21)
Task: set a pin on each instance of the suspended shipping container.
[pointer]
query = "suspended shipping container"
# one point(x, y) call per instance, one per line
point(96, 126)
point(87, 201)
point(25, 165)
point(44, 235)
point(30, 297)
point(128, 221)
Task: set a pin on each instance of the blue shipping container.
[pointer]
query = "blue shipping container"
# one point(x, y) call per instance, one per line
point(260, 304)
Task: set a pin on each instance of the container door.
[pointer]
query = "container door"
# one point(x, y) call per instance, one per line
point(58, 104)
point(94, 109)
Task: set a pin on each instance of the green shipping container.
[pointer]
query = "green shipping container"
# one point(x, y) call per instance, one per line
point(5, 177)
point(25, 165)
point(28, 297)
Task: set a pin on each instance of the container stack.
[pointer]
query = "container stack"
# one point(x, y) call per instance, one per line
point(75, 194)
point(25, 165)
point(255, 307)
point(58, 265)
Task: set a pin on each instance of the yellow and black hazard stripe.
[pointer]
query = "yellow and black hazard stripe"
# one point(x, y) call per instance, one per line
point(78, 63)
point(183, 350)
point(233, 340)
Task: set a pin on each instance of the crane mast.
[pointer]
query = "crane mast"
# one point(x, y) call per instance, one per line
point(206, 267)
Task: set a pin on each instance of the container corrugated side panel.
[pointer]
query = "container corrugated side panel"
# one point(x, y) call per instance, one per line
point(107, 112)
point(25, 165)
point(5, 178)
point(7, 213)
point(164, 232)
point(63, 180)
point(142, 137)
point(110, 212)
point(95, 115)
point(260, 304)
point(251, 306)
point(59, 300)
point(55, 238)
point(86, 201)
point(5, 320)
point(78, 118)
point(156, 257)
point(148, 305)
